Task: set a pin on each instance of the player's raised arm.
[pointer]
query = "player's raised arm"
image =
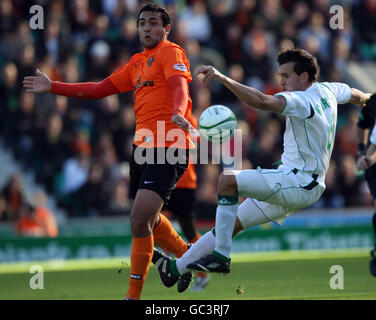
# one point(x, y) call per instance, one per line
point(251, 96)
point(41, 83)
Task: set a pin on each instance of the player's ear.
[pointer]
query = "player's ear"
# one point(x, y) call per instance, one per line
point(167, 29)
point(305, 76)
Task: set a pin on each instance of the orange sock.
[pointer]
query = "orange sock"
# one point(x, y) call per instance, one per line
point(167, 238)
point(141, 254)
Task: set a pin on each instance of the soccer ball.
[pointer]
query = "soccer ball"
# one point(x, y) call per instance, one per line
point(217, 124)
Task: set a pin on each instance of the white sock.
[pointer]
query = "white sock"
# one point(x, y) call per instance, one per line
point(201, 247)
point(224, 226)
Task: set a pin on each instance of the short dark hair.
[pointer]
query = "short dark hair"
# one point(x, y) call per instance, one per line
point(153, 7)
point(303, 62)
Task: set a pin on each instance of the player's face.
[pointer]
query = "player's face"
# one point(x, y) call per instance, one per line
point(290, 80)
point(151, 30)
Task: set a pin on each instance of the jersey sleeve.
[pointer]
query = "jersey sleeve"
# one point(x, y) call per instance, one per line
point(342, 91)
point(174, 62)
point(296, 105)
point(121, 79)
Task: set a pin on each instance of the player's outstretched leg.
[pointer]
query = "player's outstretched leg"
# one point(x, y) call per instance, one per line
point(168, 272)
point(214, 262)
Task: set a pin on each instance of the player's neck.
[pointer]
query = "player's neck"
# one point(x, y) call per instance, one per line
point(308, 85)
point(155, 47)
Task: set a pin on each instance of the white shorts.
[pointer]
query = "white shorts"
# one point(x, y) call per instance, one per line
point(273, 194)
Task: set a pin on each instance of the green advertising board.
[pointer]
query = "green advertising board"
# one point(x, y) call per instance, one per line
point(14, 249)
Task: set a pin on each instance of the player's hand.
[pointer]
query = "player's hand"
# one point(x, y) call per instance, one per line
point(367, 97)
point(180, 121)
point(363, 163)
point(209, 73)
point(37, 84)
point(184, 124)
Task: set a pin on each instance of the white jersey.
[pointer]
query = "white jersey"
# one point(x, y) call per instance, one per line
point(311, 118)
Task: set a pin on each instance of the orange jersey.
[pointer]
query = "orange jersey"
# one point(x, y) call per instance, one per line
point(146, 74)
point(189, 178)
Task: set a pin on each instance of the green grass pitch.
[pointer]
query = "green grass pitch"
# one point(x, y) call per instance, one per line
point(279, 275)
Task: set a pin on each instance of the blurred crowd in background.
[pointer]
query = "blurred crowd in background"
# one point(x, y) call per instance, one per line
point(79, 150)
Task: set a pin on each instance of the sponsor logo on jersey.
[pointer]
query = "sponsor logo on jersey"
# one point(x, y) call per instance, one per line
point(147, 83)
point(150, 61)
point(224, 202)
point(180, 67)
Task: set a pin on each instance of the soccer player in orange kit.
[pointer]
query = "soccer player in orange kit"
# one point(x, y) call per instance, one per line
point(159, 78)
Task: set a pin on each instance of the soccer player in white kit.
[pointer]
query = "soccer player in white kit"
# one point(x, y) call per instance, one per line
point(310, 108)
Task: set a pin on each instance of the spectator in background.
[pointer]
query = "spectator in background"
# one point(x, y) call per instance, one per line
point(13, 197)
point(244, 13)
point(263, 152)
point(348, 182)
point(9, 92)
point(24, 128)
point(331, 197)
point(105, 152)
point(316, 27)
point(26, 60)
point(196, 21)
point(364, 14)
point(347, 135)
point(92, 197)
point(99, 60)
point(220, 17)
point(233, 49)
point(272, 15)
point(256, 62)
point(127, 43)
point(119, 203)
point(73, 176)
point(3, 208)
point(52, 43)
point(36, 220)
point(51, 151)
point(123, 133)
point(8, 25)
point(341, 53)
point(98, 51)
point(300, 14)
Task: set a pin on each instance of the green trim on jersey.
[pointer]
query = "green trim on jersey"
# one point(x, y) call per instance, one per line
point(297, 145)
point(309, 145)
point(328, 88)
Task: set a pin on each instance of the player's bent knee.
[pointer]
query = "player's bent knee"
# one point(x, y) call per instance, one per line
point(140, 227)
point(227, 184)
point(237, 228)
